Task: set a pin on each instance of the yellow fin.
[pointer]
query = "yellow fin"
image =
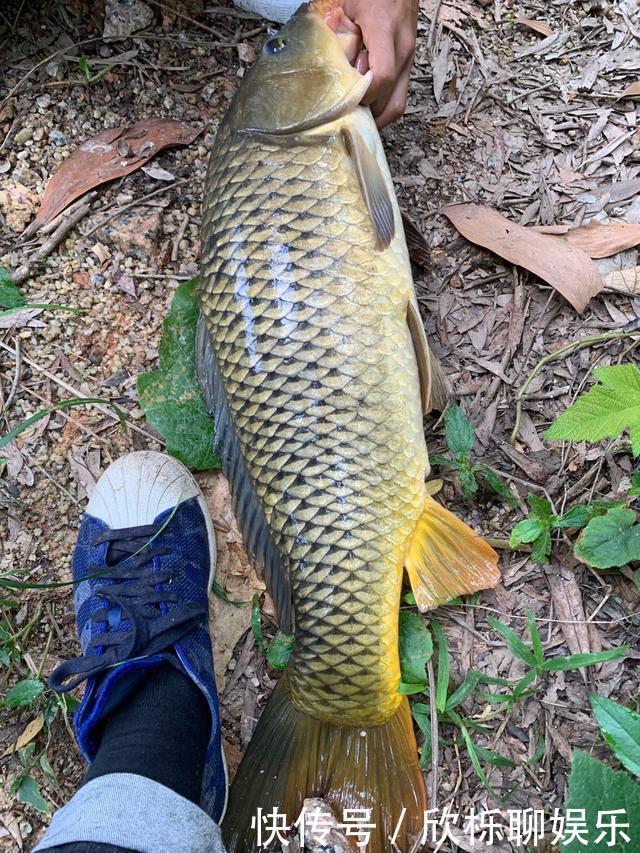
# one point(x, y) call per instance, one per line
point(372, 184)
point(434, 389)
point(292, 756)
point(447, 558)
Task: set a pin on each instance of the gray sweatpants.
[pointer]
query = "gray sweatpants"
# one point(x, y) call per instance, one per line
point(135, 813)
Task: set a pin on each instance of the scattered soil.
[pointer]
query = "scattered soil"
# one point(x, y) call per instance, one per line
point(525, 118)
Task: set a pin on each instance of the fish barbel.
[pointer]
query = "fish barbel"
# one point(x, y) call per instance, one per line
point(313, 359)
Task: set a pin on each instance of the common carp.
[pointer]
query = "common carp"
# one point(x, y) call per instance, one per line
point(313, 358)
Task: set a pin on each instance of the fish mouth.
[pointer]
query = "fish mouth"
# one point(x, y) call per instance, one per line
point(348, 32)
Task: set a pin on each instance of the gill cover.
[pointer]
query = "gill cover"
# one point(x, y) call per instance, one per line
point(301, 79)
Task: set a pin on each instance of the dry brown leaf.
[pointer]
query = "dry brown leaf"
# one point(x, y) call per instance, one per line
point(567, 268)
point(234, 573)
point(597, 239)
point(569, 609)
point(537, 26)
point(30, 731)
point(624, 281)
point(110, 154)
point(632, 91)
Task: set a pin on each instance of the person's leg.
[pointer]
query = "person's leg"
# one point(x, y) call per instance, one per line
point(148, 723)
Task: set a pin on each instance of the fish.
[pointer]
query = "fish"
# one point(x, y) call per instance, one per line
point(313, 359)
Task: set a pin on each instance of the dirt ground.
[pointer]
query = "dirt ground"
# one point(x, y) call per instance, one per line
point(523, 117)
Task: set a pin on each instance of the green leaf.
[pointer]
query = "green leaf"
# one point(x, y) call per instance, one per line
point(442, 678)
point(23, 693)
point(513, 641)
point(458, 432)
point(10, 296)
point(463, 691)
point(28, 792)
point(495, 482)
point(475, 761)
point(536, 642)
point(542, 547)
point(405, 689)
point(579, 515)
point(606, 410)
point(540, 507)
point(416, 648)
point(621, 729)
point(635, 484)
point(48, 770)
point(611, 540)
point(439, 459)
point(593, 788)
point(279, 651)
point(527, 530)
point(494, 757)
point(420, 713)
point(468, 482)
point(584, 659)
point(256, 625)
point(170, 396)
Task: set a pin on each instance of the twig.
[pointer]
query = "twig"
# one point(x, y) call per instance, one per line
point(193, 21)
point(77, 393)
point(16, 376)
point(46, 61)
point(70, 221)
point(175, 251)
point(134, 203)
point(433, 713)
point(568, 349)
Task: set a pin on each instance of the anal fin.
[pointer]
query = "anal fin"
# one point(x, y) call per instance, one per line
point(447, 558)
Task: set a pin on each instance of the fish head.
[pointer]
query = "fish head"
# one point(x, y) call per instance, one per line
point(303, 77)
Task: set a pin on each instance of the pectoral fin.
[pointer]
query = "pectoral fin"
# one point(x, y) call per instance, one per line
point(447, 558)
point(434, 388)
point(373, 186)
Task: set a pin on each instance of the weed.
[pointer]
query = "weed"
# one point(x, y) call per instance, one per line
point(416, 650)
point(474, 476)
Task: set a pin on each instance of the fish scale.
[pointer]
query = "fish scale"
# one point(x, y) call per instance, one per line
point(308, 325)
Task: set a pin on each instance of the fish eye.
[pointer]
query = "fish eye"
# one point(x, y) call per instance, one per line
point(275, 45)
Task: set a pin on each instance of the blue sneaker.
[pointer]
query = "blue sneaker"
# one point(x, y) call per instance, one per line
point(142, 568)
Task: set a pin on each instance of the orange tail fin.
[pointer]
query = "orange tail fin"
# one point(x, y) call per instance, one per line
point(293, 756)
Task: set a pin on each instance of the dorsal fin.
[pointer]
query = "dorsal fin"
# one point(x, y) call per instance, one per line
point(373, 186)
point(246, 505)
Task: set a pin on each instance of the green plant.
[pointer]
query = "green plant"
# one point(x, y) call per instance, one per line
point(170, 396)
point(610, 535)
point(609, 408)
point(29, 696)
point(278, 650)
point(13, 301)
point(595, 787)
point(537, 527)
point(460, 437)
point(538, 663)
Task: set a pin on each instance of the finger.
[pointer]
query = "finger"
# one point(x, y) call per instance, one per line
point(379, 42)
point(396, 104)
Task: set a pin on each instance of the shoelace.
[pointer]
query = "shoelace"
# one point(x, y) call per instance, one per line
point(134, 594)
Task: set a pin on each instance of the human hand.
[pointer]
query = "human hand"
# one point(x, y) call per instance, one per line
point(389, 34)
